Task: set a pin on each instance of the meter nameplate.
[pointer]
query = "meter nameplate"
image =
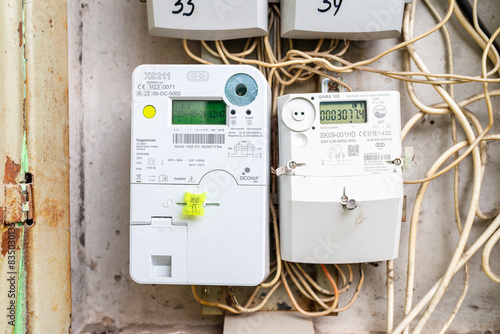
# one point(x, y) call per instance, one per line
point(196, 128)
point(350, 133)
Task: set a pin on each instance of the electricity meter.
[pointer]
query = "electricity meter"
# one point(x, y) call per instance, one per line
point(199, 175)
point(208, 20)
point(342, 19)
point(341, 188)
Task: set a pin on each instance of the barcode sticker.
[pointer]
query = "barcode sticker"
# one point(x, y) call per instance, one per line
point(199, 138)
point(377, 157)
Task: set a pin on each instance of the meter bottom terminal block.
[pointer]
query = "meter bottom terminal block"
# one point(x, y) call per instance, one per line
point(317, 227)
point(217, 248)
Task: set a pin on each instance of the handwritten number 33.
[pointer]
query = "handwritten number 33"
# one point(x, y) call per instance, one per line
point(181, 8)
point(329, 3)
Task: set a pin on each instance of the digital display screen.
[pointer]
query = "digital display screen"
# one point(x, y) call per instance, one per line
point(196, 112)
point(342, 112)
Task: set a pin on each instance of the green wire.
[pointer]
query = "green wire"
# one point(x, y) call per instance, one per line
point(20, 321)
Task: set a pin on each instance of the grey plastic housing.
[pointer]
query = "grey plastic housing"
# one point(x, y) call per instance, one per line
point(342, 19)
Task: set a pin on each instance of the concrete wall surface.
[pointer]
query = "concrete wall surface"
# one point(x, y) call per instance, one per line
point(108, 39)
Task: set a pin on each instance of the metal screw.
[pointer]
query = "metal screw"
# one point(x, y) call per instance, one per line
point(351, 204)
point(344, 199)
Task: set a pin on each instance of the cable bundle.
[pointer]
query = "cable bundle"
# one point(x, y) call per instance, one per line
point(284, 67)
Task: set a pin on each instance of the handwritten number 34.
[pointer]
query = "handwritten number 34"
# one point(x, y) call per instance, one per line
point(330, 5)
point(181, 8)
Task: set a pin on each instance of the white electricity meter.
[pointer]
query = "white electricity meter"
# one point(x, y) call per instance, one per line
point(341, 184)
point(199, 175)
point(342, 19)
point(208, 20)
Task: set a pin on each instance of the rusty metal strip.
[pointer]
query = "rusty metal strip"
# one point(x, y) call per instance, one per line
point(47, 242)
point(11, 145)
point(19, 204)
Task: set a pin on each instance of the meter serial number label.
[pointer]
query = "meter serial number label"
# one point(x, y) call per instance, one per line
point(154, 85)
point(159, 86)
point(158, 93)
point(366, 148)
point(157, 75)
point(340, 134)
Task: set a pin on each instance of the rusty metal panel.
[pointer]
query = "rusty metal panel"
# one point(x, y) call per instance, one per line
point(12, 90)
point(34, 128)
point(11, 142)
point(34, 261)
point(48, 279)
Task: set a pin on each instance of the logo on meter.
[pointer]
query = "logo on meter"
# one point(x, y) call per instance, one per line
point(198, 76)
point(380, 111)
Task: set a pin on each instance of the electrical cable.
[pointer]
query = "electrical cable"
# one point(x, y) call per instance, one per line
point(284, 67)
point(390, 296)
point(495, 224)
point(474, 198)
point(467, 10)
point(485, 259)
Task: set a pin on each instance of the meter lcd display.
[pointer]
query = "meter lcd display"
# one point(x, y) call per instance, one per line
point(342, 112)
point(196, 112)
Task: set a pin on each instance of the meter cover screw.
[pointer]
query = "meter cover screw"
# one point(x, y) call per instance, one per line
point(351, 204)
point(344, 199)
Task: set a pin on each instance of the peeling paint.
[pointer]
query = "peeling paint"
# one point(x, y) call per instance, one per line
point(12, 203)
point(12, 169)
point(4, 248)
point(20, 31)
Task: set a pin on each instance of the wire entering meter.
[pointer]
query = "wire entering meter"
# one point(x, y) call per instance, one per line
point(199, 175)
point(341, 185)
